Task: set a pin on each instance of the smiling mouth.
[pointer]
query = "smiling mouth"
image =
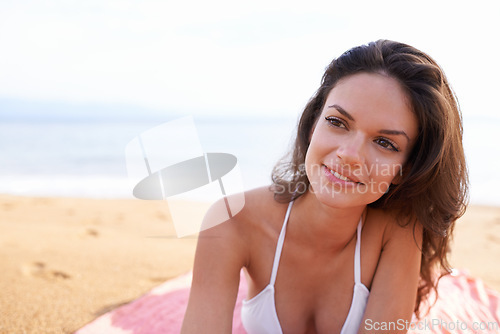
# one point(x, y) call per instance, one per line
point(341, 177)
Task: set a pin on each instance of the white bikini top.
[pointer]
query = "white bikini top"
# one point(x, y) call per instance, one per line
point(259, 315)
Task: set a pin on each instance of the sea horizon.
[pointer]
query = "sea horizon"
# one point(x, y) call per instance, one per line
point(86, 158)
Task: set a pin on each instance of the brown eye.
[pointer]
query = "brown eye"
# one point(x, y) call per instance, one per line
point(335, 122)
point(387, 144)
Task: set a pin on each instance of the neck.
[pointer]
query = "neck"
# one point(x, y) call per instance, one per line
point(322, 225)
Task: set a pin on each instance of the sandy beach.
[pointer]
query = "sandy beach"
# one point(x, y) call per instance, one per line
point(65, 261)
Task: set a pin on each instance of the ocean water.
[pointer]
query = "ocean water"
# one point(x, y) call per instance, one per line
point(87, 159)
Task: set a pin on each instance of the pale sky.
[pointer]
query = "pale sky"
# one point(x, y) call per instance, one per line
point(231, 57)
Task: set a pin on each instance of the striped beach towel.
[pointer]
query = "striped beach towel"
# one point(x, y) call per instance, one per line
point(465, 305)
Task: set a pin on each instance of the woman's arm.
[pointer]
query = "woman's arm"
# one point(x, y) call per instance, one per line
point(394, 287)
point(220, 255)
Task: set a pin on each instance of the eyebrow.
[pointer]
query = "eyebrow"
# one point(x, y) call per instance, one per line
point(384, 131)
point(342, 111)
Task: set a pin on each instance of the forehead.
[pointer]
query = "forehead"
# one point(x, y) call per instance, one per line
point(374, 99)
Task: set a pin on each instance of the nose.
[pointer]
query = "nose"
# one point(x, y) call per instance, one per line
point(351, 151)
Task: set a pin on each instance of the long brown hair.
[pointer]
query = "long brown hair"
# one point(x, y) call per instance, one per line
point(434, 186)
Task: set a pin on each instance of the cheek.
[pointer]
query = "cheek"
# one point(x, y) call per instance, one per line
point(308, 162)
point(312, 149)
point(313, 128)
point(385, 172)
point(314, 157)
point(319, 141)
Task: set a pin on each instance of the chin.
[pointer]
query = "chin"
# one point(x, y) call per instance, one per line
point(340, 199)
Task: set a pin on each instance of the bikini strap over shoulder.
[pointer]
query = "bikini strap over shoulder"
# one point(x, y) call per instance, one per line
point(279, 246)
point(357, 254)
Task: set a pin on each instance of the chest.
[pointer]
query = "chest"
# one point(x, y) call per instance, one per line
point(313, 291)
point(313, 294)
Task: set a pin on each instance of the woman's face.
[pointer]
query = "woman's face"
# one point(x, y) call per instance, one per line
point(360, 141)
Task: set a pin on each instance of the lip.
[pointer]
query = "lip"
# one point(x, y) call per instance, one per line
point(349, 179)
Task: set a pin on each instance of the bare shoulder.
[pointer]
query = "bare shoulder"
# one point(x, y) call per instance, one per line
point(251, 206)
point(393, 229)
point(249, 237)
point(238, 229)
point(224, 247)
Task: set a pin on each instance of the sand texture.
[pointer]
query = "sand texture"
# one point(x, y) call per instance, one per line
point(65, 261)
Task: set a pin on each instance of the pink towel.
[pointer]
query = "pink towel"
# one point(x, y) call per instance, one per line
point(159, 312)
point(465, 305)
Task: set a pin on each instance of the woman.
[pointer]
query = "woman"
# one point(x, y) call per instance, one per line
point(357, 224)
